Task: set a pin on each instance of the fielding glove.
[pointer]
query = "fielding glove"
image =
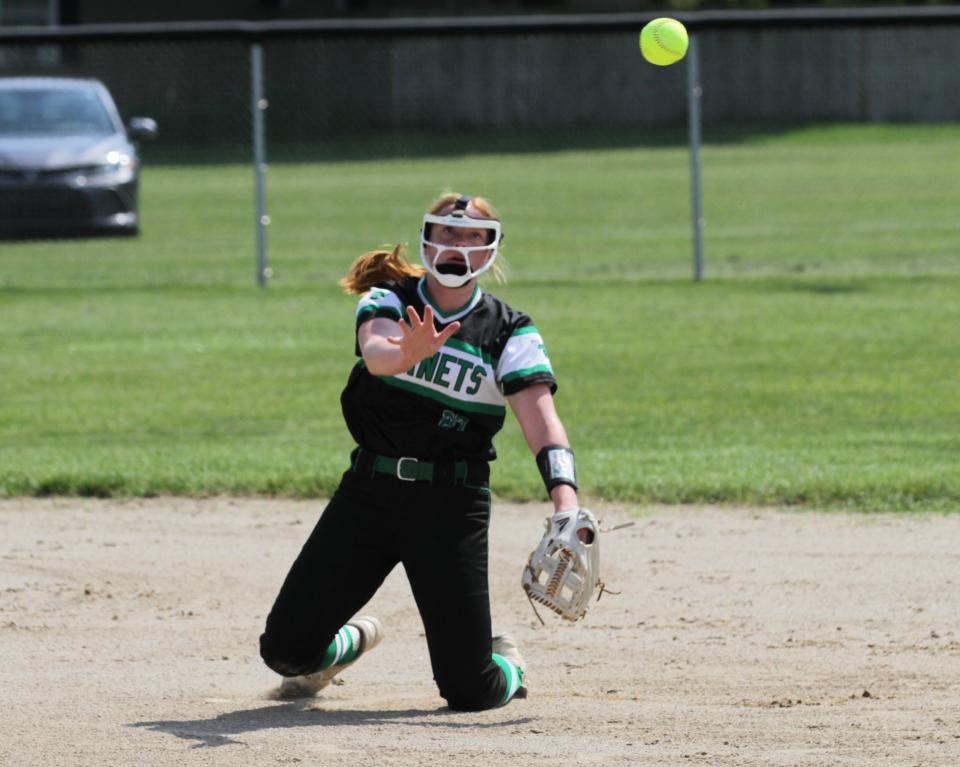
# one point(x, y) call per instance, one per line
point(563, 571)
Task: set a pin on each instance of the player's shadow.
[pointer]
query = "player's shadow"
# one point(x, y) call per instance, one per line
point(219, 730)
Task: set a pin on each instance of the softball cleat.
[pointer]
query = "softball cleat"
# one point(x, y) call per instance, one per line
point(505, 646)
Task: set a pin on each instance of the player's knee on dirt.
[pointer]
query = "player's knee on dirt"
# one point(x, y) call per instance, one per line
point(289, 658)
point(471, 702)
point(476, 694)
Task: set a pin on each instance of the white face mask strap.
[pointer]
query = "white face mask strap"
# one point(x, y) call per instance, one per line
point(447, 280)
point(459, 218)
point(455, 280)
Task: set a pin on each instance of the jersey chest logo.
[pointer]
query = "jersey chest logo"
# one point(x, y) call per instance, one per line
point(450, 372)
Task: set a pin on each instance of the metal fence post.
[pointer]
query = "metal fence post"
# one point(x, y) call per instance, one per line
point(694, 92)
point(259, 108)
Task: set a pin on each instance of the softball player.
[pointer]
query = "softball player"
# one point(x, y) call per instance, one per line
point(439, 360)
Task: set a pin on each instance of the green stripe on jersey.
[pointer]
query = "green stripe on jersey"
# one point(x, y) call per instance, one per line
point(456, 343)
point(442, 315)
point(423, 391)
point(524, 331)
point(527, 372)
point(374, 309)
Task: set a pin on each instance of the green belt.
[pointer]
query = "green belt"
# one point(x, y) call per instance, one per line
point(411, 469)
point(406, 468)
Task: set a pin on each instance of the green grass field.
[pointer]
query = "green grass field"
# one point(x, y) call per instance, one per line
point(818, 364)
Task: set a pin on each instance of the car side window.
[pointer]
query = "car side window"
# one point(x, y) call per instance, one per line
point(11, 114)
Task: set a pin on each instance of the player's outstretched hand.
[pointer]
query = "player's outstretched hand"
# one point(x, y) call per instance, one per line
point(420, 338)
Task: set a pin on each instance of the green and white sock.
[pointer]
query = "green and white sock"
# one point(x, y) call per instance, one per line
point(513, 675)
point(343, 649)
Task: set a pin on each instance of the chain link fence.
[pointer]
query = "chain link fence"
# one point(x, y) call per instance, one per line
point(387, 91)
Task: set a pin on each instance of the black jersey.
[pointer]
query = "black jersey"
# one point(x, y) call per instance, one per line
point(449, 405)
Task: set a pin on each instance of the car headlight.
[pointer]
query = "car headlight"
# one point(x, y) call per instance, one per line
point(119, 160)
point(118, 169)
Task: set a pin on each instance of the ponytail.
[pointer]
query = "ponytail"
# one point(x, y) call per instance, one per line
point(378, 266)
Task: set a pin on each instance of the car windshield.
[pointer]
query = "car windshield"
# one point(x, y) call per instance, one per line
point(46, 112)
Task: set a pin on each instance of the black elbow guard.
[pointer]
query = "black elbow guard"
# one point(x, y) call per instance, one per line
point(557, 466)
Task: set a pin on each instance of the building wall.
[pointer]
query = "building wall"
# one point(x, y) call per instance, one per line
point(565, 81)
point(108, 11)
point(16, 13)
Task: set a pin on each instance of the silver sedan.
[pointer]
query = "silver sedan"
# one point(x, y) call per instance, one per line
point(68, 164)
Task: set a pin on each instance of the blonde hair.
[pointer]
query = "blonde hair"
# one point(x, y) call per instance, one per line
point(381, 265)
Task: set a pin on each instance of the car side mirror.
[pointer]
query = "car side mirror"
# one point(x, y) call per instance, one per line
point(142, 128)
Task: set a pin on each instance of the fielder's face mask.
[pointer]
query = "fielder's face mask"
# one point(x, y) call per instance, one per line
point(450, 263)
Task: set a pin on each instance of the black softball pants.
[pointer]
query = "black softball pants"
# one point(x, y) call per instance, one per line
point(439, 534)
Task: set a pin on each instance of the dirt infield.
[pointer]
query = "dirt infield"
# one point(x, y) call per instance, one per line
point(128, 636)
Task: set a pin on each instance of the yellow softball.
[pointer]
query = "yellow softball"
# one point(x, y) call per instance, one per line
point(663, 41)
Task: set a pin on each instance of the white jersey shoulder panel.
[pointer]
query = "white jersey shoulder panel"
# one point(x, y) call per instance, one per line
point(523, 356)
point(379, 301)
